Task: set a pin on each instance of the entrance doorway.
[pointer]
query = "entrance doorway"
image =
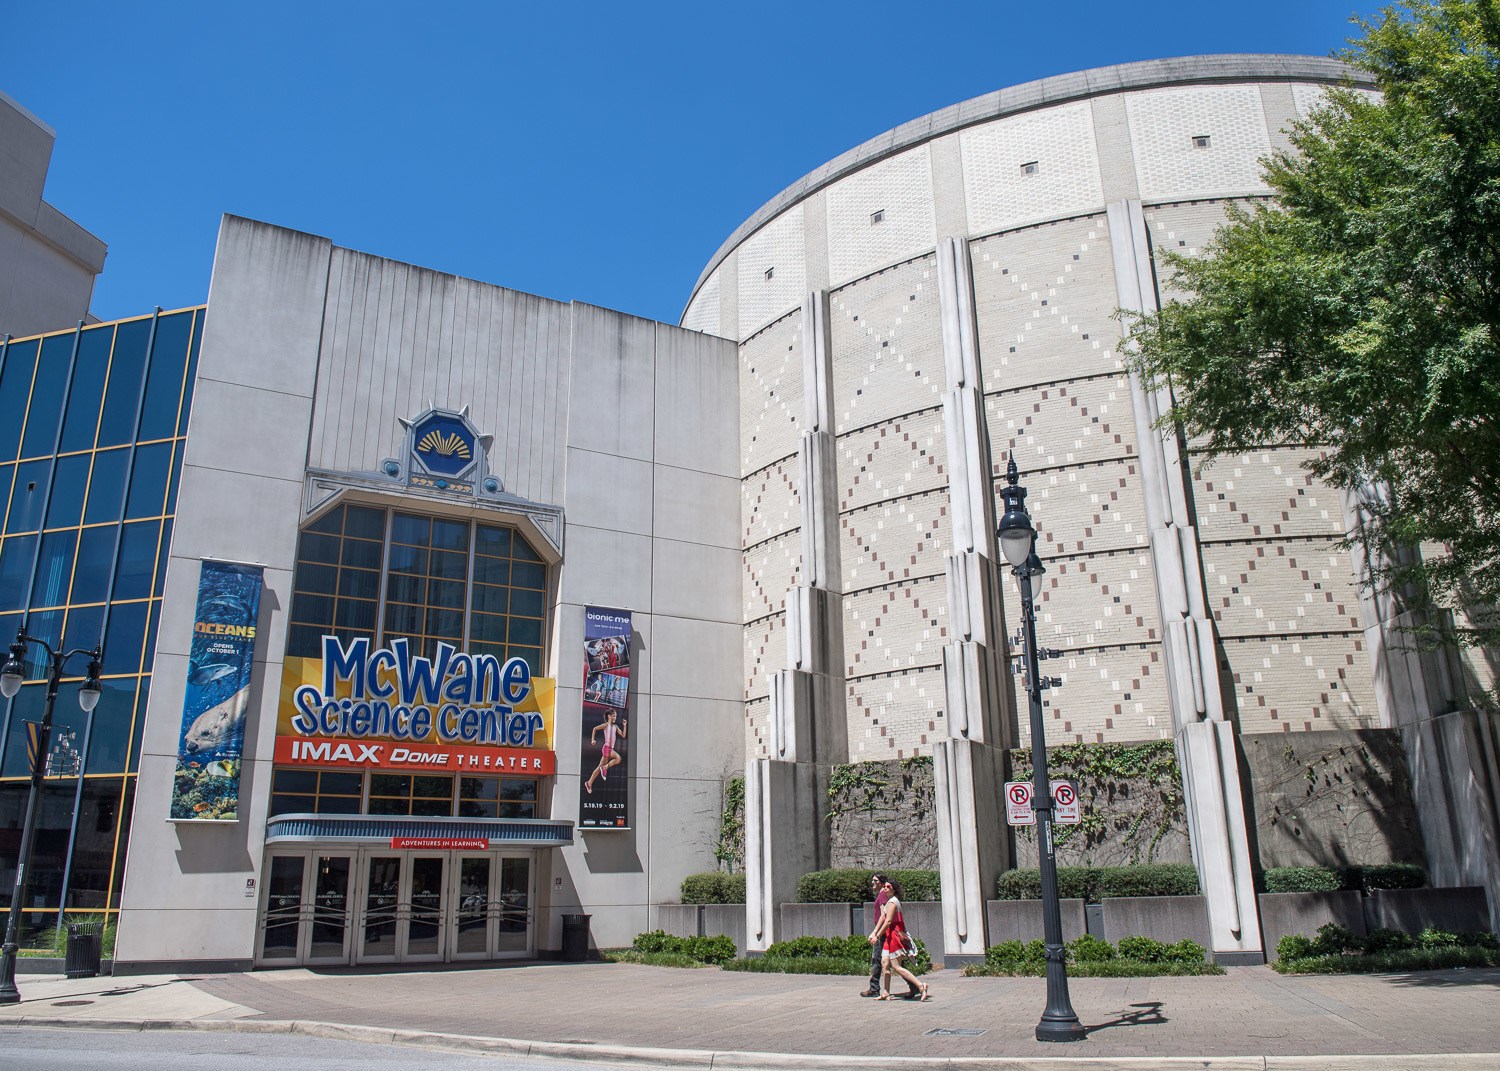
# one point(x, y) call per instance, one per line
point(370, 905)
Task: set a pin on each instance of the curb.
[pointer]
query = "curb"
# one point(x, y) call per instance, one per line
point(711, 1060)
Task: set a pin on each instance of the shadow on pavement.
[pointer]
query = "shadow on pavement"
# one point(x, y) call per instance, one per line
point(1456, 976)
point(1149, 1015)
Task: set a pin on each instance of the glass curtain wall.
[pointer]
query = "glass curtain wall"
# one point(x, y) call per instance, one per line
point(92, 427)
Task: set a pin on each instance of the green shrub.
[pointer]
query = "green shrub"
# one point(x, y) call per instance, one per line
point(1412, 959)
point(767, 965)
point(1073, 883)
point(1097, 883)
point(851, 947)
point(1303, 879)
point(1148, 879)
point(1090, 949)
point(852, 886)
point(1387, 876)
point(714, 888)
point(1186, 951)
point(1016, 954)
point(1384, 940)
point(1336, 940)
point(715, 950)
point(1295, 946)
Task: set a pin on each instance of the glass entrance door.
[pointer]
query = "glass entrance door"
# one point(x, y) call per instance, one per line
point(308, 906)
point(379, 906)
point(475, 908)
point(427, 908)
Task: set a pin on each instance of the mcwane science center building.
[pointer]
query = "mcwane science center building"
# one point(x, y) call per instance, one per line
point(434, 612)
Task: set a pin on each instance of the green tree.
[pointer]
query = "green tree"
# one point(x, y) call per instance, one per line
point(1358, 313)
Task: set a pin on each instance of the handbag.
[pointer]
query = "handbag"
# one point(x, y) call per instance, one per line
point(908, 945)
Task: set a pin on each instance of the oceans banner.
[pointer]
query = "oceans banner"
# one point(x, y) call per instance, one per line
point(206, 786)
point(604, 792)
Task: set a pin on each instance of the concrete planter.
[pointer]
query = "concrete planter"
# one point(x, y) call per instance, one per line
point(1462, 909)
point(1162, 918)
point(1303, 912)
point(1021, 920)
point(818, 920)
point(727, 920)
point(680, 920)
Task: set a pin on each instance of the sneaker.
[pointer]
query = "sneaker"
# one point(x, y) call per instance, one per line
point(870, 993)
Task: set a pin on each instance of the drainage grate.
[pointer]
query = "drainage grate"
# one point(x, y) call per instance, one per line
point(70, 1003)
point(952, 1032)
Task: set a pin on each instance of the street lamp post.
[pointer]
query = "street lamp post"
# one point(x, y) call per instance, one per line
point(1018, 543)
point(11, 678)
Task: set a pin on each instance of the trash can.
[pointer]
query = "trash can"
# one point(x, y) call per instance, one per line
point(83, 950)
point(575, 938)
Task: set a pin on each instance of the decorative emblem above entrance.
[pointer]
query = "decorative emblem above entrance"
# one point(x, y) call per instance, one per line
point(445, 444)
point(442, 456)
point(444, 452)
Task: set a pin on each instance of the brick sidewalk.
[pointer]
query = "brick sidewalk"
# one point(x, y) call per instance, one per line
point(1250, 1011)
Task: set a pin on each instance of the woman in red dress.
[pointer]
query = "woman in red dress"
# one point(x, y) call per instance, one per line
point(892, 928)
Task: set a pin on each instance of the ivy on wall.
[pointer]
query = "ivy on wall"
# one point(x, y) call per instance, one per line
point(1132, 804)
point(729, 851)
point(881, 814)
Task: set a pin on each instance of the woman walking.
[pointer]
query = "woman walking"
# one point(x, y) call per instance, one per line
point(891, 930)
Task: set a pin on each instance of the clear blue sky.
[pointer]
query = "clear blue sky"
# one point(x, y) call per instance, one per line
point(589, 151)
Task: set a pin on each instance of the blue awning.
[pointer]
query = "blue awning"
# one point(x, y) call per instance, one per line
point(380, 829)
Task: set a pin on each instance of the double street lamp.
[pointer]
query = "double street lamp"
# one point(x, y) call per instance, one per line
point(1018, 543)
point(11, 678)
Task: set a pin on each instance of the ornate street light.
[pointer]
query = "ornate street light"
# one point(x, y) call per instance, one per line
point(1018, 543)
point(12, 675)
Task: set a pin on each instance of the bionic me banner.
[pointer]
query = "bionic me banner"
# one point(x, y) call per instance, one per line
point(604, 769)
point(206, 785)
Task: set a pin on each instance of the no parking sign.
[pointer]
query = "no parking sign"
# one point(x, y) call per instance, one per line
point(1018, 810)
point(1065, 810)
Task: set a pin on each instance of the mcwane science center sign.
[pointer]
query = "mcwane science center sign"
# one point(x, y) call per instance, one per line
point(390, 709)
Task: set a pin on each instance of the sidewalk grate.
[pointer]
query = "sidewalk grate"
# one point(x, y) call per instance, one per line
point(952, 1032)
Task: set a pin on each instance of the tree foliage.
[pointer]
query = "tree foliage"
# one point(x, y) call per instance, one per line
point(1358, 313)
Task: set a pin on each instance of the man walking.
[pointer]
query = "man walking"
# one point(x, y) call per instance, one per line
point(877, 883)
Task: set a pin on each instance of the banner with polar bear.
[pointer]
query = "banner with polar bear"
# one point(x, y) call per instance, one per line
point(206, 785)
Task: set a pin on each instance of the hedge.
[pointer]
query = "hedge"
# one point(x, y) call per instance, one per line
point(1331, 879)
point(719, 949)
point(1098, 883)
point(713, 888)
point(1338, 950)
point(852, 886)
point(823, 955)
point(1090, 956)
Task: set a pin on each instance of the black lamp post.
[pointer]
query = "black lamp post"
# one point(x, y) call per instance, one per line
point(11, 678)
point(1018, 543)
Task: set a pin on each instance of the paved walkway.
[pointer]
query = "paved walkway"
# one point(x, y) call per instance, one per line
point(707, 1016)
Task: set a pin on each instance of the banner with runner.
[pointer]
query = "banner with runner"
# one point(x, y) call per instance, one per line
point(604, 767)
point(206, 784)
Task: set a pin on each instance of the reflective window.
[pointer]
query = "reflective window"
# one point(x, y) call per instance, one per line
point(164, 380)
point(475, 586)
point(107, 486)
point(148, 481)
point(96, 561)
point(87, 391)
point(58, 395)
point(15, 392)
point(122, 395)
point(47, 393)
point(27, 496)
point(54, 568)
point(137, 564)
point(70, 479)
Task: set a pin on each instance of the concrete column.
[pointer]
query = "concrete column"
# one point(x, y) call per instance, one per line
point(969, 766)
point(786, 795)
point(1206, 745)
point(1450, 745)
